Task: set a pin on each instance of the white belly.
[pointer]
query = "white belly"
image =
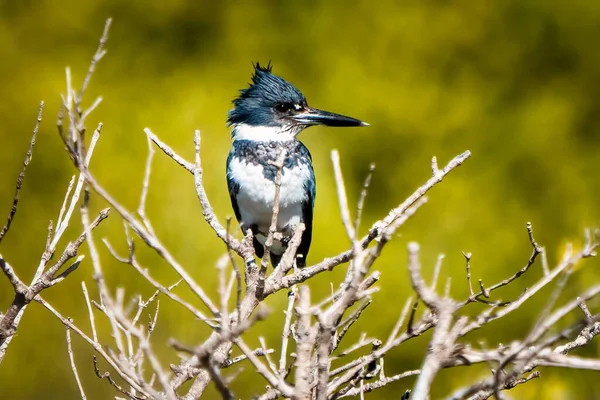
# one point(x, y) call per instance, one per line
point(256, 196)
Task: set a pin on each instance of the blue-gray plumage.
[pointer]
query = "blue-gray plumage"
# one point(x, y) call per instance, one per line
point(266, 118)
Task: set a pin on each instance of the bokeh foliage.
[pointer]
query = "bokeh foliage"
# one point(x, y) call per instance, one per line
point(516, 82)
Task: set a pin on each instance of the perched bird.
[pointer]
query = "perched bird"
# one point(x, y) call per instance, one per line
point(266, 118)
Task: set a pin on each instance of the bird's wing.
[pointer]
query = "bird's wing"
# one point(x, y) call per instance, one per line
point(308, 205)
point(307, 209)
point(234, 187)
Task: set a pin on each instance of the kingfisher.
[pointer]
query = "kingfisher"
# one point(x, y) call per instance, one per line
point(266, 120)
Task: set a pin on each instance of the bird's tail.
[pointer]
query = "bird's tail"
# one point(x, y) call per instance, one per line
point(275, 259)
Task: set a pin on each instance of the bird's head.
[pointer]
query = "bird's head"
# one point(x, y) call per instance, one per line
point(278, 108)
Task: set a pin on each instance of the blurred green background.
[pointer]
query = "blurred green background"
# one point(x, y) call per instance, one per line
point(515, 82)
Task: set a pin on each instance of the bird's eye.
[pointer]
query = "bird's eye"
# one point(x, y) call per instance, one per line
point(283, 107)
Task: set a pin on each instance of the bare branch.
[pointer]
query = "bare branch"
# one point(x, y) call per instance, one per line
point(468, 260)
point(277, 383)
point(341, 192)
point(330, 263)
point(131, 354)
point(264, 348)
point(258, 353)
point(21, 177)
point(304, 345)
point(278, 164)
point(442, 342)
point(14, 280)
point(151, 241)
point(363, 196)
point(100, 52)
point(90, 312)
point(24, 295)
point(97, 347)
point(236, 271)
point(420, 192)
point(188, 166)
point(207, 210)
point(436, 271)
point(144, 272)
point(536, 250)
point(73, 366)
point(142, 206)
point(541, 283)
point(369, 387)
point(292, 294)
point(418, 283)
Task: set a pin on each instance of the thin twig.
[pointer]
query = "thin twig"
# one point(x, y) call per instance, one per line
point(468, 266)
point(436, 271)
point(363, 196)
point(236, 270)
point(151, 241)
point(73, 366)
point(100, 52)
point(341, 194)
point(285, 335)
point(21, 177)
point(142, 206)
point(264, 348)
point(130, 380)
point(144, 272)
point(278, 164)
point(277, 383)
point(90, 312)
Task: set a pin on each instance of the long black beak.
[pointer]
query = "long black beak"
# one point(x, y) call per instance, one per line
point(312, 116)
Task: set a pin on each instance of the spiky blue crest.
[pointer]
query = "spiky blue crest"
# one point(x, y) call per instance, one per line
point(256, 104)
